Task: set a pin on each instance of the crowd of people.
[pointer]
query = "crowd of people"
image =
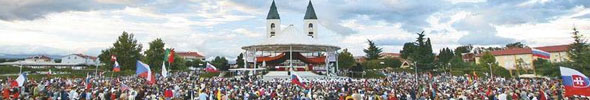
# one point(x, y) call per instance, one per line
point(189, 86)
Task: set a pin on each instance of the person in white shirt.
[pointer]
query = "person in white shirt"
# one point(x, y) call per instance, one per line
point(73, 95)
point(503, 96)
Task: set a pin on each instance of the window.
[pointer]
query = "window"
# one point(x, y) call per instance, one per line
point(272, 25)
point(310, 26)
point(272, 34)
point(310, 34)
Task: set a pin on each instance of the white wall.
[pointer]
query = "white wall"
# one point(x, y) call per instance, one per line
point(77, 59)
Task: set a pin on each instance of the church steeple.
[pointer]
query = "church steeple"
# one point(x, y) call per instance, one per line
point(273, 21)
point(273, 13)
point(310, 13)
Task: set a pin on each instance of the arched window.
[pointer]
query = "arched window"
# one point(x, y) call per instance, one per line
point(272, 29)
point(310, 26)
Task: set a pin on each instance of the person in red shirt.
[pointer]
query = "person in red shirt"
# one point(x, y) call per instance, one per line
point(168, 94)
point(5, 93)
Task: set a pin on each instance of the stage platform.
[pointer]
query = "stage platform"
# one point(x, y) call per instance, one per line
point(303, 74)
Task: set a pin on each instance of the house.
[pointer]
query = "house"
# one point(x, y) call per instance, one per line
point(39, 58)
point(190, 56)
point(360, 59)
point(389, 55)
point(42, 61)
point(507, 58)
point(468, 57)
point(80, 59)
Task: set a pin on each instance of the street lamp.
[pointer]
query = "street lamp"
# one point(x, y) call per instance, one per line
point(491, 74)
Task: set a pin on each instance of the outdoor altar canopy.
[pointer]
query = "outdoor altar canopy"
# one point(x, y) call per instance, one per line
point(292, 51)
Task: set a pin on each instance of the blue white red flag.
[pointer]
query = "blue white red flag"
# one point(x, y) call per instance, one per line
point(575, 82)
point(21, 79)
point(87, 82)
point(541, 53)
point(295, 79)
point(124, 87)
point(211, 68)
point(143, 70)
point(116, 67)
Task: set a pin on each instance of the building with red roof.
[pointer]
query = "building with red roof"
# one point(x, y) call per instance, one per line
point(507, 58)
point(189, 56)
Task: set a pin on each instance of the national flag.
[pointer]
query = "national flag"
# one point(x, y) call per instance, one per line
point(575, 82)
point(541, 53)
point(211, 68)
point(113, 58)
point(116, 67)
point(87, 82)
point(143, 70)
point(124, 87)
point(49, 73)
point(164, 71)
point(295, 79)
point(169, 55)
point(21, 79)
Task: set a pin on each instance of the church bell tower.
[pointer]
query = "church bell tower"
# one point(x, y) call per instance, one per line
point(310, 22)
point(273, 21)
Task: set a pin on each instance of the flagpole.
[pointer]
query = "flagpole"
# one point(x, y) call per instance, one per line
point(96, 70)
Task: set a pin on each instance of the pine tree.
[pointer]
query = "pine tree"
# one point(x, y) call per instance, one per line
point(127, 51)
point(155, 54)
point(579, 52)
point(372, 52)
point(240, 60)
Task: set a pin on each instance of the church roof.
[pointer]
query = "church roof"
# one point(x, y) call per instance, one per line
point(273, 13)
point(310, 13)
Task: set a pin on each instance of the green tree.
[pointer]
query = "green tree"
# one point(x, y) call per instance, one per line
point(240, 60)
point(154, 55)
point(408, 50)
point(423, 55)
point(516, 45)
point(373, 64)
point(127, 51)
point(579, 52)
point(221, 63)
point(105, 57)
point(372, 52)
point(445, 55)
point(194, 63)
point(488, 59)
point(463, 49)
point(392, 62)
point(545, 68)
point(345, 59)
point(178, 64)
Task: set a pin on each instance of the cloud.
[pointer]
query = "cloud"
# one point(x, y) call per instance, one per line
point(33, 9)
point(221, 27)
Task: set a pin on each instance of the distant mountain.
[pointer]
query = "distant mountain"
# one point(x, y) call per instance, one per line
point(18, 56)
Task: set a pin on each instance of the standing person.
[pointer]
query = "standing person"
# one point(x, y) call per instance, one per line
point(203, 95)
point(73, 95)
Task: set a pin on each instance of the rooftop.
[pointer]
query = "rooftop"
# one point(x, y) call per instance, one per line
point(196, 54)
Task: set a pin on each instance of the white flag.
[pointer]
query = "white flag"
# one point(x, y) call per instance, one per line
point(164, 71)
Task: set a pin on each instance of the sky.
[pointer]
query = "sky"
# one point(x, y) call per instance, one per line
point(222, 27)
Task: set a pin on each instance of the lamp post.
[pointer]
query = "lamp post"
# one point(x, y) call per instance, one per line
point(416, 69)
point(450, 68)
point(491, 74)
